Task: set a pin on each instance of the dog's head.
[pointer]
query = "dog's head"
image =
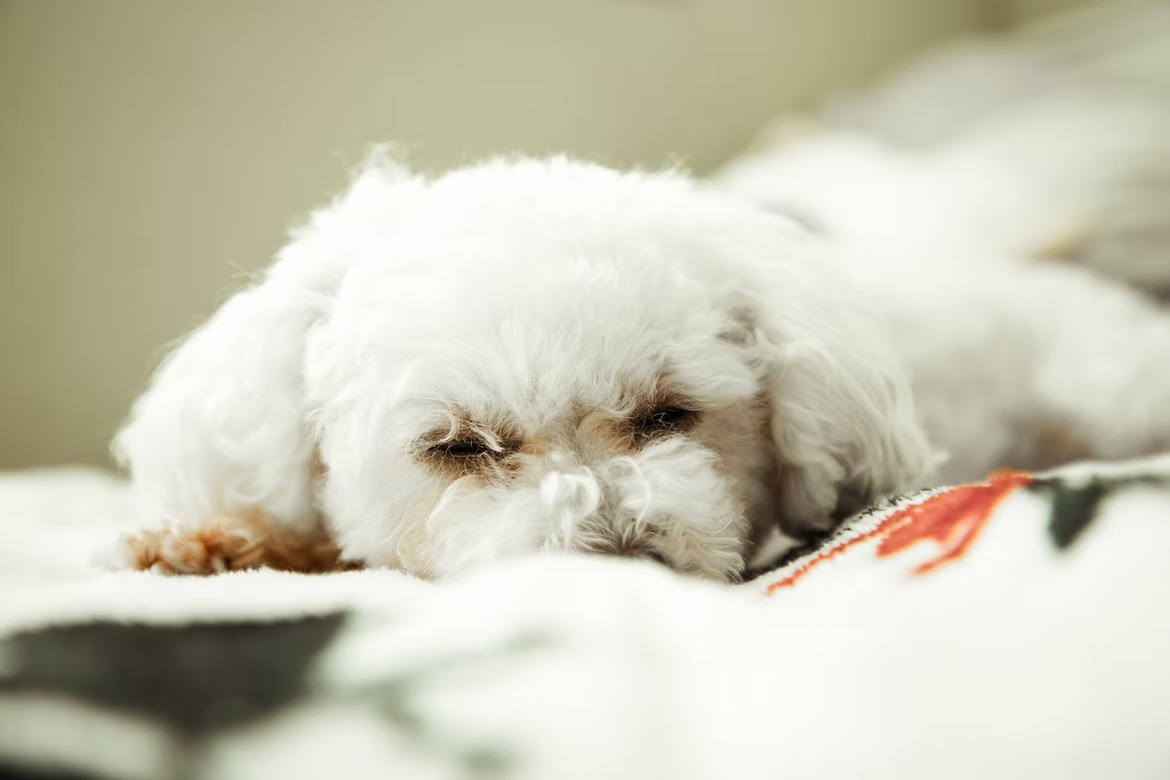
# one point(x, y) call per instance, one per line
point(532, 355)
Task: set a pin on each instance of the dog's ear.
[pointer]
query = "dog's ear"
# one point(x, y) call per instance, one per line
point(841, 411)
point(222, 428)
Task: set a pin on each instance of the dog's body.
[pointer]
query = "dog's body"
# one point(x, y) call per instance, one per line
point(1007, 204)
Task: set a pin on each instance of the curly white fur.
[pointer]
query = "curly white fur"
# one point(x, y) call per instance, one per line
point(545, 312)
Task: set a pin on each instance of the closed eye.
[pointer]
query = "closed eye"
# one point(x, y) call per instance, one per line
point(461, 448)
point(668, 419)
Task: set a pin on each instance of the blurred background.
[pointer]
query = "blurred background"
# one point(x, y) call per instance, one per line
point(152, 154)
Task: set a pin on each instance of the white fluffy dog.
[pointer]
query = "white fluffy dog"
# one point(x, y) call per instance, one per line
point(520, 356)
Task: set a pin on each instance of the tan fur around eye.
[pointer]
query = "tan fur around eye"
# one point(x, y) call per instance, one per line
point(496, 440)
point(667, 411)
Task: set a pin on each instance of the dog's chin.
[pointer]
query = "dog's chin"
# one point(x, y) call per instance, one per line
point(668, 503)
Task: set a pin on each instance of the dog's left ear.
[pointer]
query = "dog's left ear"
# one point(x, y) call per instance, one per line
point(841, 411)
point(223, 428)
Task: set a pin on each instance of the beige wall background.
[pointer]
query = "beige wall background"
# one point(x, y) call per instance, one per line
point(152, 153)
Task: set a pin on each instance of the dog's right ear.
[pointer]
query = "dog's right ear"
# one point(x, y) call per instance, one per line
point(842, 419)
point(222, 429)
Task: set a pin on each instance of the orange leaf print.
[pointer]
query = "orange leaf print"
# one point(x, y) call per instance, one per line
point(951, 519)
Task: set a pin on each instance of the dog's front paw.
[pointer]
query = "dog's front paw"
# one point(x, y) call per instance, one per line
point(217, 546)
point(226, 544)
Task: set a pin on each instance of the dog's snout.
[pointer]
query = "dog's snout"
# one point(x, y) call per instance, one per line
point(569, 500)
point(575, 492)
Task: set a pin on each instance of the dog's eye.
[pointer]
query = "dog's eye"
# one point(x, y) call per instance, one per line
point(461, 448)
point(668, 419)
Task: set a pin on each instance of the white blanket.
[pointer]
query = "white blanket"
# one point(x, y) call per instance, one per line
point(1034, 644)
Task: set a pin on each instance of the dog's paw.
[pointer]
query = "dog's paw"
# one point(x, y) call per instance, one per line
point(225, 544)
point(217, 546)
